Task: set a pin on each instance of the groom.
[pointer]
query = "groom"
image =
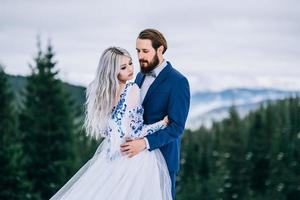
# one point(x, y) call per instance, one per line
point(164, 92)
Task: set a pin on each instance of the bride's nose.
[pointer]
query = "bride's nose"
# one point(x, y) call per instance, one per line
point(131, 69)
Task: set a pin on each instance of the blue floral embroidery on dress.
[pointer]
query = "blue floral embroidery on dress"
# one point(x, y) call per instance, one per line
point(136, 125)
point(119, 110)
point(138, 129)
point(118, 113)
point(136, 122)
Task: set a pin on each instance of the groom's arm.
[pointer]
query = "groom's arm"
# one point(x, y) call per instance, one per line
point(178, 108)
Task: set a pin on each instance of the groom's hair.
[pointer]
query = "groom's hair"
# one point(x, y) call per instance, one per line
point(156, 38)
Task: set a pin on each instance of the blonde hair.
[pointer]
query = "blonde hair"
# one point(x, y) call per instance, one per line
point(102, 91)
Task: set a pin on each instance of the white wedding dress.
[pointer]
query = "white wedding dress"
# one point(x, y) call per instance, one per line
point(109, 175)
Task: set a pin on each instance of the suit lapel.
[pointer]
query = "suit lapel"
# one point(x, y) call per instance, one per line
point(159, 79)
point(140, 79)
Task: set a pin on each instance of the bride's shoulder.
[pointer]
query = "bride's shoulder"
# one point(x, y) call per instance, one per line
point(132, 87)
point(133, 91)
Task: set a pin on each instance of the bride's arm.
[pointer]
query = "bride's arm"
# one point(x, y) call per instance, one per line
point(133, 118)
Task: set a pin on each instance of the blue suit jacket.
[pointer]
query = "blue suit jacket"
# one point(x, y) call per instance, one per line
point(168, 95)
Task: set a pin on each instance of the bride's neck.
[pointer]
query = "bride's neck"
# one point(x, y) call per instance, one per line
point(121, 87)
point(119, 91)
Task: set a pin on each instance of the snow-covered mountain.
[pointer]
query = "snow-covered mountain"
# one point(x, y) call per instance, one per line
point(207, 106)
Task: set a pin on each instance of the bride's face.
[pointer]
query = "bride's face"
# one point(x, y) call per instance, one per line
point(126, 69)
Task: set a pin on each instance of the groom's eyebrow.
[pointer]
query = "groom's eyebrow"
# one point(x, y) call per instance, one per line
point(142, 49)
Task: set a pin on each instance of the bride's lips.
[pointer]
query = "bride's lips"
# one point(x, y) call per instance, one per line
point(130, 74)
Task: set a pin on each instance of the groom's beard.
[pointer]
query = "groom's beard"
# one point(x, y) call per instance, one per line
point(150, 65)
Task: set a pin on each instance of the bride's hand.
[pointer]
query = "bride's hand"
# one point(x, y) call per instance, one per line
point(166, 120)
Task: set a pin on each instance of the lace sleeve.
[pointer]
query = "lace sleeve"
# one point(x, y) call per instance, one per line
point(134, 117)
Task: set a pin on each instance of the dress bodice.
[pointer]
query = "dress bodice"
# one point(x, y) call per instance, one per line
point(126, 120)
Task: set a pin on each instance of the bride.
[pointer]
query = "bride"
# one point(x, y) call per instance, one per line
point(114, 111)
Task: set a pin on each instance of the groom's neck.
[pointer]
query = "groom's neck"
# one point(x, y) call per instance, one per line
point(161, 60)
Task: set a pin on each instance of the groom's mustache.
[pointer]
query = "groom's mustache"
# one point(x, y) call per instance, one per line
point(143, 61)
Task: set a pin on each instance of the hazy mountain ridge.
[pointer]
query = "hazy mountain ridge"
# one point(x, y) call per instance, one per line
point(205, 106)
point(18, 84)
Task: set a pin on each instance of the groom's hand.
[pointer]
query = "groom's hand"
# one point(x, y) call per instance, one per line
point(133, 147)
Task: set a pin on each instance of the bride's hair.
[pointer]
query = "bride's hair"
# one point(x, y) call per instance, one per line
point(102, 91)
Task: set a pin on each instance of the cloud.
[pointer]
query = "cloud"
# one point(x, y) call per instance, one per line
point(252, 43)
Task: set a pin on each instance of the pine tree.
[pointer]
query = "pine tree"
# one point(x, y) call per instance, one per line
point(258, 154)
point(12, 175)
point(194, 177)
point(293, 191)
point(47, 126)
point(205, 164)
point(188, 179)
point(218, 168)
point(233, 146)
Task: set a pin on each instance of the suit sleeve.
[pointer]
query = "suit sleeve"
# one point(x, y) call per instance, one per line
point(178, 108)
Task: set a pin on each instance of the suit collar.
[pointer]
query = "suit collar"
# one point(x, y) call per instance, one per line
point(158, 69)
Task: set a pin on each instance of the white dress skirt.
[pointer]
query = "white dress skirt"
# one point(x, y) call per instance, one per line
point(109, 175)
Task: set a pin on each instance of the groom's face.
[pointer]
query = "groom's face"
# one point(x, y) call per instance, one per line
point(147, 55)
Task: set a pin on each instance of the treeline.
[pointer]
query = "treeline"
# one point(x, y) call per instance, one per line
point(254, 158)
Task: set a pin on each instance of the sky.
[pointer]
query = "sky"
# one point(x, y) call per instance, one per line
point(215, 44)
